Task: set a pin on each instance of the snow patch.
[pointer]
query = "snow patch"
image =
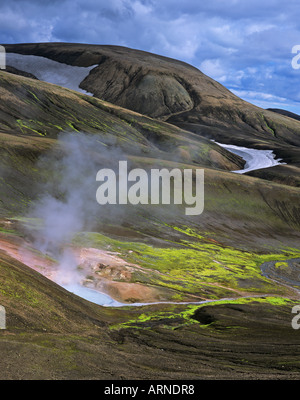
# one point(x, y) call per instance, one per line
point(50, 71)
point(255, 159)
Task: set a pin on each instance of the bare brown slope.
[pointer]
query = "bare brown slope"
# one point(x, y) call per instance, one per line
point(34, 112)
point(285, 112)
point(171, 90)
point(31, 108)
point(52, 334)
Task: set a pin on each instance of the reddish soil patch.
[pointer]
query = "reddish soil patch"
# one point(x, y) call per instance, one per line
point(22, 251)
point(101, 270)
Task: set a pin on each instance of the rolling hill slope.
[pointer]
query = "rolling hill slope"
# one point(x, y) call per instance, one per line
point(154, 112)
point(173, 91)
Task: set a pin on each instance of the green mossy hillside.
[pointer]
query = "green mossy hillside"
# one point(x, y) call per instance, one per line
point(193, 267)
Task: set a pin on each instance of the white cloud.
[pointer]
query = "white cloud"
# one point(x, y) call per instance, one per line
point(213, 68)
point(141, 9)
point(243, 44)
point(251, 94)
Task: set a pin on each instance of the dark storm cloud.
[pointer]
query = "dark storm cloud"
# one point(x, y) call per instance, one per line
point(246, 45)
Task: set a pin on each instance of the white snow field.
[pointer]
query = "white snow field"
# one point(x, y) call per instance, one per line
point(255, 159)
point(50, 71)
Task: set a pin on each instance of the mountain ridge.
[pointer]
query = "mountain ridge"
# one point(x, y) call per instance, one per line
point(175, 92)
point(244, 330)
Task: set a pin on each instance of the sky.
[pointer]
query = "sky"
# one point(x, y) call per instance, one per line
point(246, 45)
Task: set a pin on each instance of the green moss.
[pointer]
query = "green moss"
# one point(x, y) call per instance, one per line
point(72, 126)
point(29, 125)
point(268, 125)
point(34, 96)
point(9, 231)
point(179, 316)
point(198, 267)
point(281, 265)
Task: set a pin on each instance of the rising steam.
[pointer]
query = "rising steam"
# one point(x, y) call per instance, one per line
point(67, 203)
